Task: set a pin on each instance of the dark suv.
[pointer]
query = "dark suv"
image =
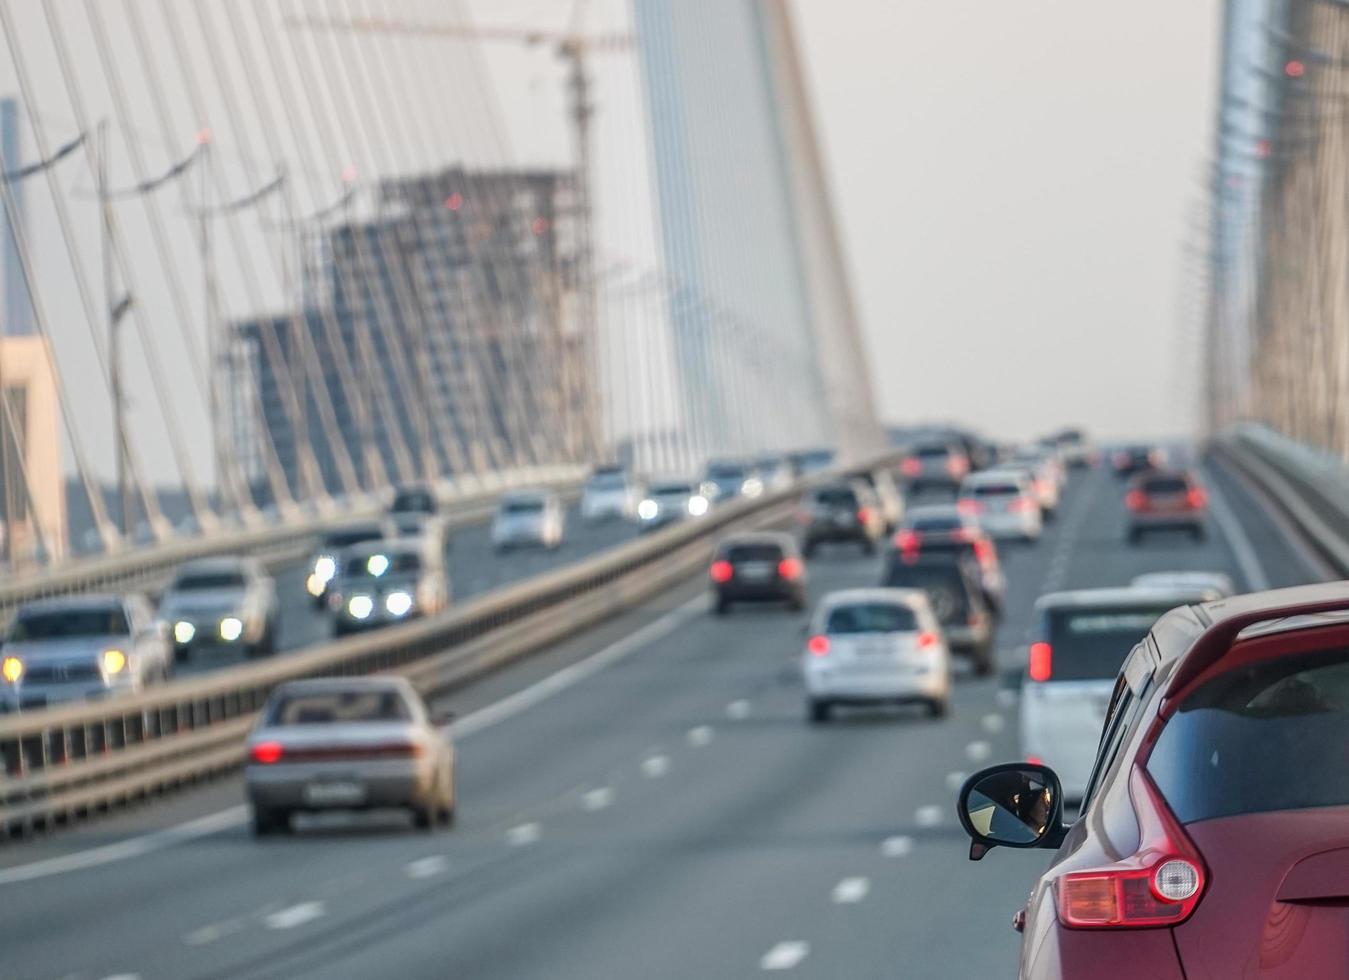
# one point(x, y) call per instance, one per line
point(1214, 836)
point(846, 512)
point(765, 567)
point(951, 581)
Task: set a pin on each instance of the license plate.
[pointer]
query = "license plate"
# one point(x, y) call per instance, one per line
point(843, 520)
point(334, 794)
point(755, 571)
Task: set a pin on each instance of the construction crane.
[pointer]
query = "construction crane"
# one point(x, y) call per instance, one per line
point(574, 48)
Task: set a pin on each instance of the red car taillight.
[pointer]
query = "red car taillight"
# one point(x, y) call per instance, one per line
point(984, 553)
point(721, 571)
point(926, 640)
point(907, 540)
point(790, 569)
point(1158, 885)
point(1041, 661)
point(863, 515)
point(968, 506)
point(818, 646)
point(1136, 500)
point(1020, 505)
point(911, 467)
point(266, 753)
point(956, 466)
point(1196, 499)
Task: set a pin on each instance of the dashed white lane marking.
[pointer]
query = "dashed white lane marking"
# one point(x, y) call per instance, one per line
point(927, 816)
point(785, 955)
point(738, 710)
point(978, 751)
point(700, 736)
point(1242, 549)
point(525, 833)
point(295, 915)
point(427, 867)
point(209, 934)
point(898, 846)
point(956, 779)
point(993, 723)
point(655, 766)
point(1006, 697)
point(850, 891)
point(597, 799)
point(123, 976)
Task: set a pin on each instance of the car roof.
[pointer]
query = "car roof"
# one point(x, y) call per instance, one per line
point(219, 563)
point(1167, 579)
point(529, 495)
point(913, 598)
point(94, 600)
point(399, 546)
point(1118, 597)
point(933, 510)
point(1003, 474)
point(758, 537)
point(322, 684)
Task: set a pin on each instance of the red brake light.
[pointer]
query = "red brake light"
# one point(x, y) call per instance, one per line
point(721, 571)
point(983, 551)
point(926, 640)
point(911, 467)
point(969, 506)
point(1041, 661)
point(1197, 498)
point(1158, 885)
point(908, 540)
point(1035, 760)
point(863, 515)
point(790, 569)
point(266, 753)
point(818, 645)
point(1136, 500)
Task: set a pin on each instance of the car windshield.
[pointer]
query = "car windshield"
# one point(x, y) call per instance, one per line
point(726, 473)
point(994, 490)
point(607, 481)
point(350, 536)
point(1166, 484)
point(381, 565)
point(1091, 643)
point(838, 497)
point(418, 501)
point(338, 707)
point(68, 624)
point(871, 617)
point(671, 490)
point(203, 581)
point(930, 523)
point(522, 506)
point(932, 452)
point(1259, 738)
point(738, 553)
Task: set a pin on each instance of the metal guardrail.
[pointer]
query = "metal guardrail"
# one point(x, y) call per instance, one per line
point(150, 568)
point(1309, 487)
point(66, 762)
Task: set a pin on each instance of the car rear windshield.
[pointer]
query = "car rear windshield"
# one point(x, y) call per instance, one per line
point(871, 617)
point(202, 581)
point(994, 490)
point(836, 497)
point(338, 708)
point(1267, 736)
point(1166, 484)
point(1091, 644)
point(942, 522)
point(521, 506)
point(932, 452)
point(353, 535)
point(672, 490)
point(378, 566)
point(65, 624)
point(765, 551)
point(419, 501)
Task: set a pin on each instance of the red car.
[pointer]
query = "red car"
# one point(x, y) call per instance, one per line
point(1213, 841)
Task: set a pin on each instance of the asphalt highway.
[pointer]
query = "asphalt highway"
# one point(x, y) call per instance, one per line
point(646, 800)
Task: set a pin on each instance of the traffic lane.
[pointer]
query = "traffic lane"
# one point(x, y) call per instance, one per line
point(1284, 562)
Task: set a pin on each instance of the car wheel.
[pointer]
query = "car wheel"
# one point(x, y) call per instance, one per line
point(1198, 533)
point(983, 659)
point(424, 815)
point(938, 708)
point(182, 654)
point(797, 603)
point(820, 712)
point(868, 546)
point(267, 821)
point(1135, 536)
point(722, 606)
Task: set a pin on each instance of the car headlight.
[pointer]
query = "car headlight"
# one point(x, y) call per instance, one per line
point(698, 506)
point(231, 628)
point(183, 632)
point(11, 669)
point(647, 509)
point(325, 567)
point(398, 603)
point(377, 565)
point(112, 660)
point(360, 606)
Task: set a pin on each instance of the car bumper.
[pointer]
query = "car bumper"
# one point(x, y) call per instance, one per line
point(865, 686)
point(390, 783)
point(760, 591)
point(1011, 526)
point(1165, 522)
point(29, 697)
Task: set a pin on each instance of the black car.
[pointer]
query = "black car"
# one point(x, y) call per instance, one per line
point(414, 498)
point(765, 567)
point(844, 512)
point(1130, 460)
point(952, 584)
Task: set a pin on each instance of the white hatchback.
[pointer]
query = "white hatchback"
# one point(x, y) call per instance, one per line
point(875, 646)
point(1004, 504)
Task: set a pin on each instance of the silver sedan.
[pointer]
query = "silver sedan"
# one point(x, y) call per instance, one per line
point(361, 743)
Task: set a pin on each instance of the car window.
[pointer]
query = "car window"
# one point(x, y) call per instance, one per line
point(836, 497)
point(353, 535)
point(953, 522)
point(419, 501)
point(380, 565)
point(737, 553)
point(202, 581)
point(1119, 719)
point(932, 452)
point(522, 506)
point(65, 624)
point(871, 617)
point(1091, 644)
point(338, 707)
point(945, 584)
point(1168, 484)
point(672, 490)
point(1264, 737)
point(994, 490)
point(607, 481)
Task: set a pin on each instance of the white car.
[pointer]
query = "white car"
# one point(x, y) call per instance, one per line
point(225, 603)
point(875, 646)
point(1218, 583)
point(1045, 472)
point(380, 583)
point(668, 501)
point(609, 494)
point(1003, 502)
point(1082, 638)
point(528, 518)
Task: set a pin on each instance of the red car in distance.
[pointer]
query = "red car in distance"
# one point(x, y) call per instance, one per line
point(1213, 841)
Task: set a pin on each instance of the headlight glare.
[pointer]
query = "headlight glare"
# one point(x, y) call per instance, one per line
point(647, 509)
point(113, 661)
point(698, 506)
point(324, 568)
point(183, 632)
point(398, 603)
point(360, 606)
point(12, 669)
point(231, 628)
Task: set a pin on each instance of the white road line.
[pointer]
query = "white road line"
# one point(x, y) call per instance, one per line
point(209, 934)
point(785, 955)
point(993, 723)
point(700, 736)
point(655, 766)
point(123, 976)
point(927, 816)
point(850, 891)
point(739, 710)
point(522, 834)
point(597, 799)
point(295, 915)
point(1242, 549)
point(898, 846)
point(427, 867)
point(955, 780)
point(978, 751)
point(470, 724)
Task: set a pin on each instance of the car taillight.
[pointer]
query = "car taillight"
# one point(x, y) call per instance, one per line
point(266, 753)
point(926, 640)
point(1158, 885)
point(1020, 504)
point(863, 515)
point(968, 506)
point(1135, 500)
point(911, 467)
point(983, 551)
point(818, 646)
point(966, 534)
point(907, 540)
point(1041, 661)
point(721, 571)
point(1042, 487)
point(956, 466)
point(1197, 499)
point(790, 569)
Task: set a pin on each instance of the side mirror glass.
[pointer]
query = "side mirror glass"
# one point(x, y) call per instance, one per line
point(1013, 805)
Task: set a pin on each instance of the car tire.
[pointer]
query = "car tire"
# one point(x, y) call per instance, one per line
point(1135, 536)
point(1197, 533)
point(819, 711)
point(266, 645)
point(182, 654)
point(808, 549)
point(426, 815)
point(268, 821)
point(721, 606)
point(868, 546)
point(983, 659)
point(797, 603)
point(938, 708)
